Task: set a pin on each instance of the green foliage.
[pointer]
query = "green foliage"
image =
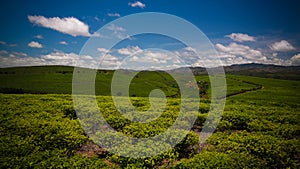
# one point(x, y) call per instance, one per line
point(203, 87)
point(217, 159)
point(149, 162)
point(42, 130)
point(274, 151)
point(58, 80)
point(34, 132)
point(259, 127)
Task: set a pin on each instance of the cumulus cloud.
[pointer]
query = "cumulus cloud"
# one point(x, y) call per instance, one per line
point(114, 14)
point(96, 34)
point(240, 37)
point(282, 46)
point(152, 59)
point(158, 59)
point(241, 50)
point(63, 43)
point(68, 25)
point(14, 59)
point(103, 50)
point(295, 60)
point(274, 54)
point(18, 54)
point(137, 4)
point(144, 59)
point(133, 57)
point(188, 55)
point(189, 49)
point(152, 56)
point(69, 59)
point(130, 50)
point(110, 62)
point(237, 54)
point(60, 56)
point(34, 44)
point(240, 54)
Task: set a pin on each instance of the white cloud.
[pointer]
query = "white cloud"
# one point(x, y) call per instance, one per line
point(130, 50)
point(60, 56)
point(154, 57)
point(110, 62)
point(39, 37)
point(282, 46)
point(13, 59)
point(295, 60)
point(240, 37)
point(63, 43)
point(18, 54)
point(137, 4)
point(241, 50)
point(145, 59)
point(103, 50)
point(190, 49)
point(187, 55)
point(237, 54)
point(140, 59)
point(34, 44)
point(274, 54)
point(295, 57)
point(68, 25)
point(149, 59)
point(19, 59)
point(69, 59)
point(96, 34)
point(114, 14)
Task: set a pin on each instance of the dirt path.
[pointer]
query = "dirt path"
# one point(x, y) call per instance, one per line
point(244, 91)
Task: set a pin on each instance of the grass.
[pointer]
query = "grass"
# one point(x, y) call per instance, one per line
point(58, 80)
point(259, 128)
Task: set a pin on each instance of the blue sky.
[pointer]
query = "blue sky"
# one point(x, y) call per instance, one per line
point(53, 32)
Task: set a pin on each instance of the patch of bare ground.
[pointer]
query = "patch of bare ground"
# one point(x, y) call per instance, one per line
point(90, 149)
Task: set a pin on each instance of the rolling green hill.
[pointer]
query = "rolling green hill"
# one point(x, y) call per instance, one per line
point(58, 80)
point(258, 129)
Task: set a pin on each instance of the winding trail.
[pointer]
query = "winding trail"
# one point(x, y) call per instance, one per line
point(244, 91)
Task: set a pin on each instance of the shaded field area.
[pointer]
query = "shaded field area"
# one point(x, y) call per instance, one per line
point(258, 129)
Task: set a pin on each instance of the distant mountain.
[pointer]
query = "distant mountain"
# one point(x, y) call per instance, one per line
point(250, 69)
point(259, 67)
point(260, 70)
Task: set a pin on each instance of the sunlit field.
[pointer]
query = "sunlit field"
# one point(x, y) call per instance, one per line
point(259, 129)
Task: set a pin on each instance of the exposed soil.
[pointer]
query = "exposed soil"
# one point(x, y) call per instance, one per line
point(90, 149)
